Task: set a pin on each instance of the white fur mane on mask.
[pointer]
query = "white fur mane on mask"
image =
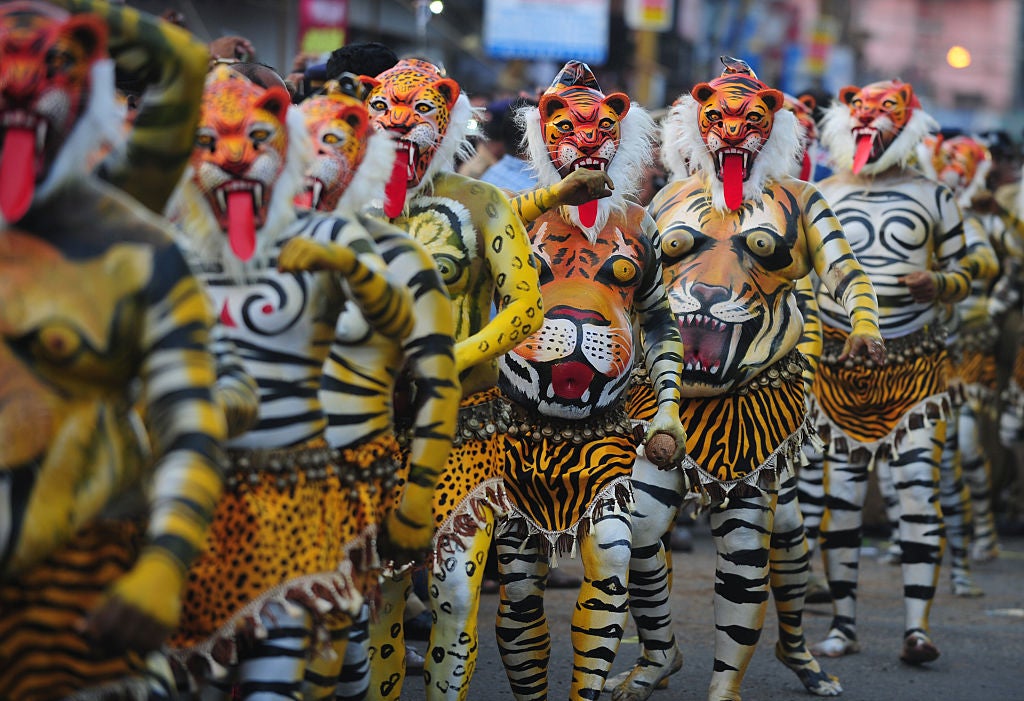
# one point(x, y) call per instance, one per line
point(196, 225)
point(367, 185)
point(837, 137)
point(683, 151)
point(637, 137)
point(455, 146)
point(101, 125)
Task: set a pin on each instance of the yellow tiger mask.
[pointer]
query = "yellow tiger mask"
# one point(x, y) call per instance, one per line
point(879, 113)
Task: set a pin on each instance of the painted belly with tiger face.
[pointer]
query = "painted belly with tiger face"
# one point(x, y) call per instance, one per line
point(578, 363)
point(731, 276)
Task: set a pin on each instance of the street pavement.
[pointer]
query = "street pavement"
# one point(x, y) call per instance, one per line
point(981, 640)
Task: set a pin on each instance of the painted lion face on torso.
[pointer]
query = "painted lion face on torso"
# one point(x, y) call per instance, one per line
point(241, 149)
point(414, 102)
point(578, 363)
point(730, 279)
point(878, 114)
point(44, 83)
point(338, 123)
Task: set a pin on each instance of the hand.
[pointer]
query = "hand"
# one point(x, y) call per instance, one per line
point(864, 345)
point(232, 47)
point(667, 421)
point(583, 185)
point(140, 610)
point(302, 254)
point(922, 285)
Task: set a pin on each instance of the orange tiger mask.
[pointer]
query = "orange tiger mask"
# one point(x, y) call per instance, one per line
point(736, 114)
point(44, 85)
point(962, 163)
point(879, 111)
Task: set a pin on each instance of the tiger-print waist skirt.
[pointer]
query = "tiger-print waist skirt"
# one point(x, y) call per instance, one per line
point(294, 525)
point(868, 403)
point(559, 474)
point(740, 440)
point(42, 654)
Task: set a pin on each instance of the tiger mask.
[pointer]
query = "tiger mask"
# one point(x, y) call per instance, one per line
point(251, 153)
point(428, 116)
point(803, 108)
point(871, 129)
point(963, 164)
point(352, 161)
point(57, 100)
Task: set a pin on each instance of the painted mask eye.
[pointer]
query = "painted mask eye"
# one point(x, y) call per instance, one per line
point(448, 267)
point(624, 270)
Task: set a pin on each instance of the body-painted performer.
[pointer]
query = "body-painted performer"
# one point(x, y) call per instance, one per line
point(962, 163)
point(289, 558)
point(99, 314)
point(570, 447)
point(352, 164)
point(738, 236)
point(481, 250)
point(906, 231)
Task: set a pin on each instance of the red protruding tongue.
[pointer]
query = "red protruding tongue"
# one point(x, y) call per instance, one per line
point(241, 224)
point(863, 152)
point(806, 167)
point(17, 173)
point(571, 380)
point(732, 180)
point(588, 213)
point(304, 199)
point(397, 186)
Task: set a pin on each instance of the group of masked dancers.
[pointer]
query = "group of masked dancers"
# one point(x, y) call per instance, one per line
point(263, 360)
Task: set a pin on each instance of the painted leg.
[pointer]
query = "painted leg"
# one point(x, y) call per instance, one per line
point(955, 500)
point(323, 669)
point(602, 604)
point(916, 475)
point(354, 679)
point(742, 529)
point(892, 505)
point(846, 486)
point(811, 498)
point(273, 668)
point(524, 640)
point(789, 564)
point(658, 496)
point(387, 640)
point(455, 600)
point(977, 472)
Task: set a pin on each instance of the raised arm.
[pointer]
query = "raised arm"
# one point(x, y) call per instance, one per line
point(576, 188)
point(171, 64)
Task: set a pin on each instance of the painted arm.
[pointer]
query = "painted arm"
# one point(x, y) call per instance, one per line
point(187, 429)
point(842, 275)
point(662, 345)
point(576, 188)
point(811, 341)
point(979, 259)
point(172, 65)
point(951, 282)
point(430, 360)
point(344, 246)
point(509, 260)
point(235, 392)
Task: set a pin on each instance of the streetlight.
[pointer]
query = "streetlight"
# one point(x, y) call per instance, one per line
point(436, 7)
point(958, 57)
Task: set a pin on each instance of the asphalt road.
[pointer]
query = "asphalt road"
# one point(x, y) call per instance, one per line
point(981, 640)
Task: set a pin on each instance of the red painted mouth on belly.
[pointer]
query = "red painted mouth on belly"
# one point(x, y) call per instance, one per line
point(571, 380)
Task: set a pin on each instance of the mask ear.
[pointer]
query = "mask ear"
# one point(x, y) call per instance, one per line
point(702, 91)
point(808, 101)
point(907, 93)
point(355, 118)
point(847, 94)
point(773, 98)
point(276, 101)
point(549, 104)
point(369, 83)
point(88, 32)
point(619, 102)
point(449, 89)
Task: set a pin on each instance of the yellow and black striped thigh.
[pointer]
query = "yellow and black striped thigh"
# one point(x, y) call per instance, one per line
point(42, 655)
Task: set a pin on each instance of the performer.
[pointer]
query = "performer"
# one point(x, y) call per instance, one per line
point(99, 314)
point(907, 232)
point(482, 253)
point(290, 554)
point(738, 236)
point(352, 164)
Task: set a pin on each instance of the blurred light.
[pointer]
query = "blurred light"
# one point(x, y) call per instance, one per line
point(958, 57)
point(437, 7)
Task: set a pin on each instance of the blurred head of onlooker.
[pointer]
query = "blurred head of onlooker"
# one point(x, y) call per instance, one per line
point(360, 58)
point(1006, 157)
point(503, 133)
